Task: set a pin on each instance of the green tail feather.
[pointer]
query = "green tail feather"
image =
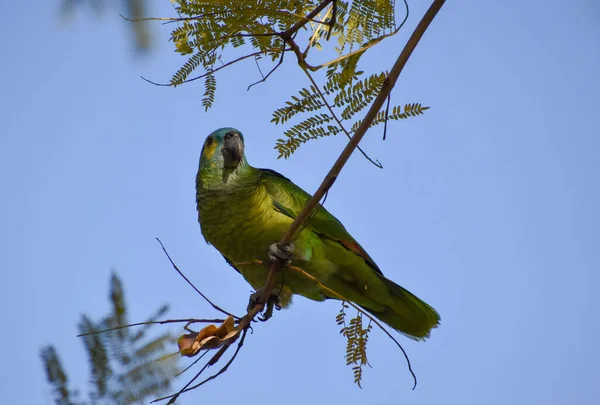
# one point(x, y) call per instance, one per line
point(407, 313)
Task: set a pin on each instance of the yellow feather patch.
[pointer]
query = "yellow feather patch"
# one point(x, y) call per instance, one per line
point(209, 150)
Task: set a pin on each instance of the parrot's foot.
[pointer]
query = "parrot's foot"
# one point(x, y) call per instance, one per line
point(281, 254)
point(272, 302)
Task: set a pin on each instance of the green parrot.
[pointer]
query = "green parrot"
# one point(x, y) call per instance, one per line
point(243, 211)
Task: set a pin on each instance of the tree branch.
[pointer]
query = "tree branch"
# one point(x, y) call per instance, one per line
point(330, 178)
point(241, 58)
point(294, 28)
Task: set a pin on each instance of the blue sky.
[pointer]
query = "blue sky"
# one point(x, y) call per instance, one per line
point(487, 206)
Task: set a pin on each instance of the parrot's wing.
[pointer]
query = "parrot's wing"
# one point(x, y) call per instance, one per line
point(289, 199)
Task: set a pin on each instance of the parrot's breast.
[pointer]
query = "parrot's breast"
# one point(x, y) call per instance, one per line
point(241, 223)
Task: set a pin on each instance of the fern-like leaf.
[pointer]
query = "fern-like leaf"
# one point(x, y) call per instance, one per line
point(182, 74)
point(356, 342)
point(208, 28)
point(311, 128)
point(210, 86)
point(397, 113)
point(306, 101)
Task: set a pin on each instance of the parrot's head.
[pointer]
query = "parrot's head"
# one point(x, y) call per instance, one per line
point(222, 154)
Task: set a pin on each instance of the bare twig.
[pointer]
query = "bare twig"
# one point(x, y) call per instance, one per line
point(272, 70)
point(332, 21)
point(193, 363)
point(168, 20)
point(288, 34)
point(250, 55)
point(193, 286)
point(387, 114)
point(188, 321)
point(362, 311)
point(172, 398)
point(226, 366)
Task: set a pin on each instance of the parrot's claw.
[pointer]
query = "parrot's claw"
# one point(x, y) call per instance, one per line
point(272, 302)
point(282, 254)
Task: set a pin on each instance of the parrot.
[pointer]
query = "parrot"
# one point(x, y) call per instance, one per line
point(244, 211)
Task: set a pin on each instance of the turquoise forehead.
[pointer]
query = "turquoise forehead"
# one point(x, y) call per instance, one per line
point(221, 132)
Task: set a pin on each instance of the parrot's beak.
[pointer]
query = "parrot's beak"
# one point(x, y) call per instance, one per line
point(232, 150)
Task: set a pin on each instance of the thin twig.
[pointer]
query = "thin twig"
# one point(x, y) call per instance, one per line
point(258, 67)
point(387, 114)
point(168, 20)
point(190, 320)
point(211, 362)
point(304, 66)
point(193, 364)
point(181, 391)
point(362, 311)
point(296, 27)
point(316, 33)
point(405, 16)
point(193, 286)
point(215, 70)
point(284, 35)
point(372, 43)
point(226, 366)
point(332, 21)
point(272, 70)
point(165, 84)
point(185, 388)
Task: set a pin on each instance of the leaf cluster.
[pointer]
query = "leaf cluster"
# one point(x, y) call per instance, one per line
point(126, 367)
point(357, 337)
point(207, 28)
point(350, 95)
point(270, 28)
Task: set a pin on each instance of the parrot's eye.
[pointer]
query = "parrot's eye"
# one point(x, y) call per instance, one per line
point(229, 135)
point(209, 141)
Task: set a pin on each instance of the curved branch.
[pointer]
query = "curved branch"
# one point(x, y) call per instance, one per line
point(193, 286)
point(241, 58)
point(166, 321)
point(264, 79)
point(168, 20)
